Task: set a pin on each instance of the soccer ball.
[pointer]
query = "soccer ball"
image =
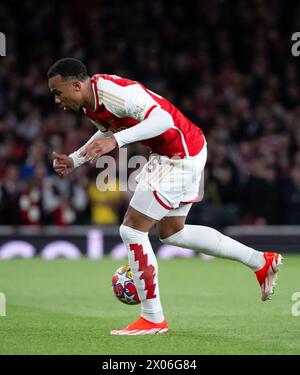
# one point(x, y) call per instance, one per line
point(123, 286)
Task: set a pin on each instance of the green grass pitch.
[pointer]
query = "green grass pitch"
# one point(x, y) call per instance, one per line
point(213, 307)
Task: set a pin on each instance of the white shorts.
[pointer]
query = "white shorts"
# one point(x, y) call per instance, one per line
point(168, 186)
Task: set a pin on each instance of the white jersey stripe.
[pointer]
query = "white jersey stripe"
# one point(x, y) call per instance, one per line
point(113, 97)
point(113, 103)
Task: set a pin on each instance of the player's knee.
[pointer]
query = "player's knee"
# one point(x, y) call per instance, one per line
point(131, 221)
point(169, 226)
point(138, 221)
point(170, 237)
point(166, 240)
point(129, 234)
point(166, 231)
point(125, 232)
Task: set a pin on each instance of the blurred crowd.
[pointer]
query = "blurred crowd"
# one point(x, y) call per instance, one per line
point(228, 67)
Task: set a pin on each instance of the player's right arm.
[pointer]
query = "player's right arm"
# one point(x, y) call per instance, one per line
point(65, 164)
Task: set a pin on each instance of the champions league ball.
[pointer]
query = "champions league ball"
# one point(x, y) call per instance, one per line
point(123, 286)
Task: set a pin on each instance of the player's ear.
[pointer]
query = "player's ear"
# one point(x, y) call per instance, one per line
point(77, 85)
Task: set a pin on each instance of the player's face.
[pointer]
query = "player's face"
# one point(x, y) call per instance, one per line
point(67, 92)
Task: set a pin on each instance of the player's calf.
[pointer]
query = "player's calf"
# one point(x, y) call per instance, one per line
point(144, 268)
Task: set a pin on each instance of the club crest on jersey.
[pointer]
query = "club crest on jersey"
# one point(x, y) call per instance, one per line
point(139, 110)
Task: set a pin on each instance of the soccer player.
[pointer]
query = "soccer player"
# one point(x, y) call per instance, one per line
point(125, 111)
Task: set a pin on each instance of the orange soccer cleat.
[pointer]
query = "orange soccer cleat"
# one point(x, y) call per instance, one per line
point(267, 275)
point(142, 327)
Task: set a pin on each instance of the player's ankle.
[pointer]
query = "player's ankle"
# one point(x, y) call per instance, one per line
point(257, 261)
point(157, 317)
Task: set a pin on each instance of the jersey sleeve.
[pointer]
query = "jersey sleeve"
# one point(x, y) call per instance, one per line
point(125, 101)
point(157, 123)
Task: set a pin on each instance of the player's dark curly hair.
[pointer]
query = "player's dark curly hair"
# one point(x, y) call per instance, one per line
point(68, 68)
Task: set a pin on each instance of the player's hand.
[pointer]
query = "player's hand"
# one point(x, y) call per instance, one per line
point(62, 164)
point(98, 147)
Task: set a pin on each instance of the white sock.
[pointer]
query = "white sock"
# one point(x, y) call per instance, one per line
point(212, 242)
point(144, 268)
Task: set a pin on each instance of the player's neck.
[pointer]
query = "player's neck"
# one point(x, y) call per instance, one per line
point(89, 101)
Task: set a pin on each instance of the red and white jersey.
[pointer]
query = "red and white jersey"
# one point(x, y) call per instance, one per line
point(122, 103)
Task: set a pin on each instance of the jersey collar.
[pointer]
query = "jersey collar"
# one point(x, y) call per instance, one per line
point(95, 92)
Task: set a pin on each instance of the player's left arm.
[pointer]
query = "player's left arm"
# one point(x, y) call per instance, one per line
point(157, 123)
point(133, 102)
